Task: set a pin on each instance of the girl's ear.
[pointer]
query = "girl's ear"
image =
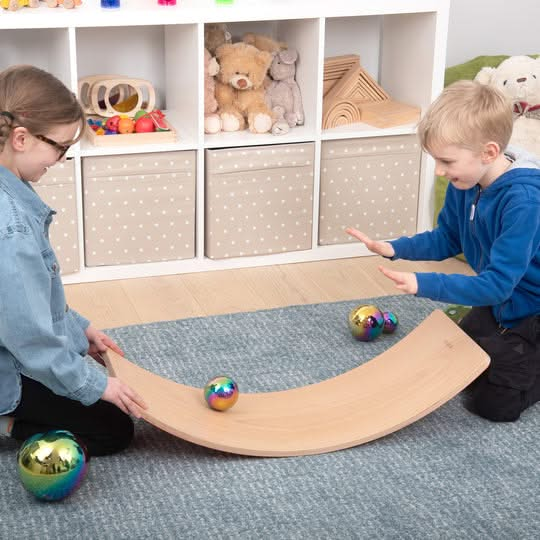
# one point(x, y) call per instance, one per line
point(490, 152)
point(19, 138)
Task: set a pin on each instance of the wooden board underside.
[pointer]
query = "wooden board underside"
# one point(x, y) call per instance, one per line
point(406, 382)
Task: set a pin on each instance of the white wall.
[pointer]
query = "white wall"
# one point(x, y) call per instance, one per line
point(489, 27)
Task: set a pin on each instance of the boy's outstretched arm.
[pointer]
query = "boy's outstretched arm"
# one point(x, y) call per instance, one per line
point(380, 248)
point(404, 281)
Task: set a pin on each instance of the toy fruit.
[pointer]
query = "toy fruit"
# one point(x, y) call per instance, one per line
point(144, 124)
point(139, 113)
point(112, 123)
point(159, 120)
point(126, 125)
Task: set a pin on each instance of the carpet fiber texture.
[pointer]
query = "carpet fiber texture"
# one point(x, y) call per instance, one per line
point(449, 475)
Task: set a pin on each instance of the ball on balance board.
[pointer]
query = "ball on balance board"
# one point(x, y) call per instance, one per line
point(221, 393)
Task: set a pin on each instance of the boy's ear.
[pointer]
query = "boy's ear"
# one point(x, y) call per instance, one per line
point(490, 152)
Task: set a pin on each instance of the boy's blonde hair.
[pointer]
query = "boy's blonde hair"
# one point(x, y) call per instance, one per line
point(36, 100)
point(467, 114)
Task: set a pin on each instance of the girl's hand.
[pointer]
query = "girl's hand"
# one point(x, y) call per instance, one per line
point(380, 248)
point(99, 342)
point(123, 397)
point(405, 281)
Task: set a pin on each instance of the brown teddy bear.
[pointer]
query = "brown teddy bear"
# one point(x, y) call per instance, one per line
point(215, 34)
point(212, 122)
point(263, 42)
point(239, 89)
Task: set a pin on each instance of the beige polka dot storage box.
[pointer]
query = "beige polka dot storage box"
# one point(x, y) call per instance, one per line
point(259, 200)
point(139, 207)
point(370, 184)
point(57, 189)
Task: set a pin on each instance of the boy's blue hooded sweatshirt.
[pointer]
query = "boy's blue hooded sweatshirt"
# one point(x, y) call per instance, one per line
point(498, 231)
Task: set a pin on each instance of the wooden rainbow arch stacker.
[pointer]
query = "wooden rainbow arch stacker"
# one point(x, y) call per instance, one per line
point(417, 375)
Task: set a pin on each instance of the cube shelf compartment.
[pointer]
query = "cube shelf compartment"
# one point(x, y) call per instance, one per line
point(370, 184)
point(139, 208)
point(258, 200)
point(57, 189)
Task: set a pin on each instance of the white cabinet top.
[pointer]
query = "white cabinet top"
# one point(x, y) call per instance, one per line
point(148, 12)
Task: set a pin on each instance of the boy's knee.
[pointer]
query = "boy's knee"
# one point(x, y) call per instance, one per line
point(497, 403)
point(115, 432)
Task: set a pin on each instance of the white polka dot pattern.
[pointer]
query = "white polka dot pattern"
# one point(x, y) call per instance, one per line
point(259, 201)
point(139, 208)
point(57, 189)
point(370, 184)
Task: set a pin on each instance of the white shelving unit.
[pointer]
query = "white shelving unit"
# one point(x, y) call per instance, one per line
point(401, 43)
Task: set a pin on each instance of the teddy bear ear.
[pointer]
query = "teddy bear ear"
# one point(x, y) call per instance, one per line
point(485, 75)
point(249, 38)
point(288, 56)
point(264, 58)
point(224, 50)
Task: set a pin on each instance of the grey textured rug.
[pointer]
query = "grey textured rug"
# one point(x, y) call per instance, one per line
point(449, 475)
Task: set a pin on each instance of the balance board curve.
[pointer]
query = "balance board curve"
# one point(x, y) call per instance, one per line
point(417, 375)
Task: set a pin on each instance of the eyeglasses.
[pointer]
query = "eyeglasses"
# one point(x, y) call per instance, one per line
point(60, 147)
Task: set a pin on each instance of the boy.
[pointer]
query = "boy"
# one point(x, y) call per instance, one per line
point(491, 214)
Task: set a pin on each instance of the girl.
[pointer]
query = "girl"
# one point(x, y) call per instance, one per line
point(45, 381)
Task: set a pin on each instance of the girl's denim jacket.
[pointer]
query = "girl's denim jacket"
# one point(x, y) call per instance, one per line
point(40, 336)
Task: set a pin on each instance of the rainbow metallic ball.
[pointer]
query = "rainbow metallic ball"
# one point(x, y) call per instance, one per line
point(366, 322)
point(52, 464)
point(221, 393)
point(390, 322)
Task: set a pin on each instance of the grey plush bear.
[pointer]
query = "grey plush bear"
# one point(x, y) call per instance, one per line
point(283, 95)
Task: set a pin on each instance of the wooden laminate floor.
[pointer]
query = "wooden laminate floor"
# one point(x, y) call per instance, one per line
point(110, 304)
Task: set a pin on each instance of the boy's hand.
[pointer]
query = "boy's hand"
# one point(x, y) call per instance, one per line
point(380, 248)
point(405, 281)
point(121, 395)
point(99, 342)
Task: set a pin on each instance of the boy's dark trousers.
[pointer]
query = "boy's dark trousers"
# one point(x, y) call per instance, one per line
point(512, 381)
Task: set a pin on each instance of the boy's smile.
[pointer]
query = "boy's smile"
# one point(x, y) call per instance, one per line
point(460, 166)
point(465, 168)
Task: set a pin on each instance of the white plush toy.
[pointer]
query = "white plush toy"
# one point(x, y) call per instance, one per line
point(519, 78)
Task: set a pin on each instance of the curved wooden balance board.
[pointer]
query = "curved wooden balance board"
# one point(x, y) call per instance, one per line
point(417, 375)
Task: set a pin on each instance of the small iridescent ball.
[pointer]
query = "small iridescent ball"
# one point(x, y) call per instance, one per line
point(52, 464)
point(221, 393)
point(390, 322)
point(366, 322)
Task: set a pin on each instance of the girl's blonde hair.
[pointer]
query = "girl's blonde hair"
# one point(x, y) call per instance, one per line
point(36, 100)
point(467, 114)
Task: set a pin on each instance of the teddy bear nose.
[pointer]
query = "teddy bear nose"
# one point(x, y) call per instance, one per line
point(242, 83)
point(522, 79)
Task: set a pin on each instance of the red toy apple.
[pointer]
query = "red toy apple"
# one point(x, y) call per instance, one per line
point(144, 125)
point(112, 123)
